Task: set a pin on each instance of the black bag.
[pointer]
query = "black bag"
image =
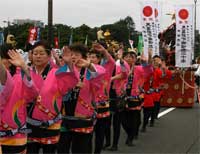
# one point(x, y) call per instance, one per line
point(121, 103)
point(117, 103)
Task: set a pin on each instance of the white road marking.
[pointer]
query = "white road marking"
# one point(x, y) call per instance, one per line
point(166, 111)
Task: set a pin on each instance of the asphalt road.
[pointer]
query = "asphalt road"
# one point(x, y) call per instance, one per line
point(176, 132)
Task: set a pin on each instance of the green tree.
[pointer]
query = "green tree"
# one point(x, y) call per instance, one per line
point(131, 26)
point(63, 33)
point(20, 32)
point(121, 31)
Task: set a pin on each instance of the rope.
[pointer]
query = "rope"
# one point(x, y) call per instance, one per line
point(190, 86)
point(183, 84)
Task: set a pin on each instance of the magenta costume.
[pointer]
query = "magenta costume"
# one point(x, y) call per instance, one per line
point(15, 95)
point(45, 114)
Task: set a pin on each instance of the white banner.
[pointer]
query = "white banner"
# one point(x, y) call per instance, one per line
point(184, 35)
point(158, 13)
point(150, 14)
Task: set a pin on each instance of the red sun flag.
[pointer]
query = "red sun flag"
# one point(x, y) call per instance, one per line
point(183, 14)
point(147, 11)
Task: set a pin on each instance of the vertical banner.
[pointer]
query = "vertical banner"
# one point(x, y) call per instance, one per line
point(184, 37)
point(1, 38)
point(149, 12)
point(140, 45)
point(32, 34)
point(56, 42)
point(158, 13)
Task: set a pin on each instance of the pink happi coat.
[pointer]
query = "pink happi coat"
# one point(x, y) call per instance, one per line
point(49, 101)
point(120, 84)
point(5, 92)
point(13, 115)
point(51, 90)
point(102, 95)
point(92, 82)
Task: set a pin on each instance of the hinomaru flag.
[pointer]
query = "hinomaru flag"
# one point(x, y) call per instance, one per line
point(184, 37)
point(149, 26)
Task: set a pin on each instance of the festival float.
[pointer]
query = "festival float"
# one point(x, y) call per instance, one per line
point(180, 89)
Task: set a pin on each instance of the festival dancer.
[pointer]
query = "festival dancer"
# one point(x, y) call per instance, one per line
point(102, 95)
point(117, 93)
point(17, 91)
point(79, 113)
point(44, 115)
point(137, 75)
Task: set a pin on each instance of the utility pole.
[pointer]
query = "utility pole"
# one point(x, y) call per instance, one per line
point(50, 21)
point(195, 24)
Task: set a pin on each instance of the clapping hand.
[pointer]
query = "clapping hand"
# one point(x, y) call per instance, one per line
point(16, 59)
point(67, 55)
point(83, 63)
point(86, 64)
point(98, 47)
point(54, 54)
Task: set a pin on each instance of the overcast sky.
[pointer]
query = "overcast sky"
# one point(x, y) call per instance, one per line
point(90, 12)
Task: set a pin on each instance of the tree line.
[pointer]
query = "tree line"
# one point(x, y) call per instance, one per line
point(121, 31)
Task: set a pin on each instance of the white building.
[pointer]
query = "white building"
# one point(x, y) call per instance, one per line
point(37, 23)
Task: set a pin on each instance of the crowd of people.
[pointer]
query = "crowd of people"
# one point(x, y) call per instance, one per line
point(57, 103)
